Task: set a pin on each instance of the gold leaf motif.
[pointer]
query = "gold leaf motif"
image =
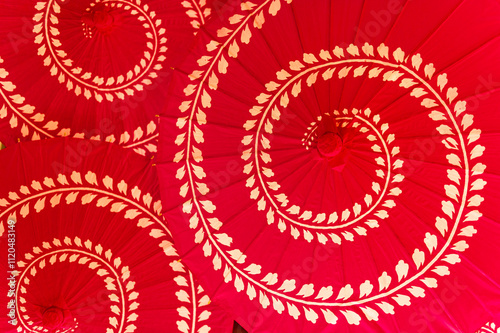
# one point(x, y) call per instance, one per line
point(402, 270)
point(353, 50)
point(233, 50)
point(259, 20)
point(383, 51)
point(40, 204)
point(206, 100)
point(338, 52)
point(345, 292)
point(429, 70)
point(399, 55)
point(442, 225)
point(246, 34)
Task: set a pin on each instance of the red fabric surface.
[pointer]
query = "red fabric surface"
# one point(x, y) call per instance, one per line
point(401, 233)
point(90, 245)
point(91, 69)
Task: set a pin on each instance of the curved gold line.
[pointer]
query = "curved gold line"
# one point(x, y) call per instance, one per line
point(193, 301)
point(81, 252)
point(69, 189)
point(22, 116)
point(366, 300)
point(198, 9)
point(308, 136)
point(135, 144)
point(97, 88)
point(338, 226)
point(195, 201)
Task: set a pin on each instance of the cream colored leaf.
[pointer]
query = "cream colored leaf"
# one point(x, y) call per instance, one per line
point(233, 50)
point(429, 70)
point(460, 246)
point(274, 7)
point(442, 225)
point(442, 80)
point(259, 20)
point(238, 283)
point(460, 107)
point(402, 300)
point(70, 198)
point(40, 205)
point(441, 270)
point(402, 269)
point(384, 281)
point(430, 241)
point(370, 314)
point(453, 159)
point(311, 315)
point(452, 192)
point(306, 290)
point(216, 262)
point(454, 176)
point(474, 135)
point(383, 51)
point(365, 288)
point(345, 292)
point(451, 94)
point(468, 231)
point(253, 269)
point(353, 50)
point(264, 300)
point(478, 185)
point(330, 318)
point(418, 258)
point(473, 216)
point(224, 239)
point(477, 151)
point(293, 311)
point(448, 208)
point(416, 61)
point(386, 307)
point(338, 52)
point(437, 116)
point(352, 317)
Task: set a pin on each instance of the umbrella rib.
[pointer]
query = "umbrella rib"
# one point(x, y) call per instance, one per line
point(448, 17)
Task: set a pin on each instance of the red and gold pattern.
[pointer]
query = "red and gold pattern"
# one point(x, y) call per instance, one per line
point(93, 69)
point(99, 225)
point(272, 208)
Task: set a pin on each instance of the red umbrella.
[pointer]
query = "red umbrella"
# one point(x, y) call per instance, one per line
point(489, 328)
point(87, 247)
point(331, 166)
point(91, 69)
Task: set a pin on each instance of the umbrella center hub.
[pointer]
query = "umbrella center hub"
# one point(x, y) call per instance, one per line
point(99, 17)
point(52, 317)
point(329, 144)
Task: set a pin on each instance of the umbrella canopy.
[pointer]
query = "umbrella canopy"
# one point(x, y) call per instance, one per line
point(91, 69)
point(337, 162)
point(88, 250)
